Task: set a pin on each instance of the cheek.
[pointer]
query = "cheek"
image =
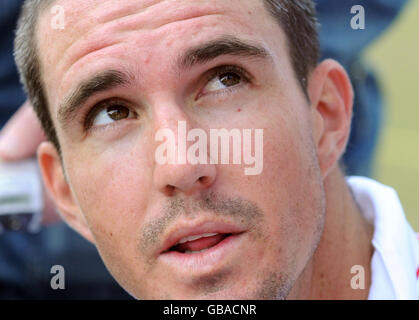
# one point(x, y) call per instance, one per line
point(292, 189)
point(112, 193)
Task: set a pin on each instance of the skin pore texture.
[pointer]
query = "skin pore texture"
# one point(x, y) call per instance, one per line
point(298, 230)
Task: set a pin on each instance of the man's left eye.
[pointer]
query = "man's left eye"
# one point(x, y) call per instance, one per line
point(223, 81)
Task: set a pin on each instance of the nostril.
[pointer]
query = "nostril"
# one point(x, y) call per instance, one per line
point(169, 190)
point(204, 179)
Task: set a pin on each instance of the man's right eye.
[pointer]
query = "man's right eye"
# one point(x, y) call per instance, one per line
point(108, 113)
point(112, 114)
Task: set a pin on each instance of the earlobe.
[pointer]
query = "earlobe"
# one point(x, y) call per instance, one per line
point(59, 188)
point(331, 97)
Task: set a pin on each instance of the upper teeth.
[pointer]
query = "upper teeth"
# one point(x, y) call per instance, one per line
point(192, 238)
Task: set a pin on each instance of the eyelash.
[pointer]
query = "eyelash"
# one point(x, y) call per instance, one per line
point(217, 71)
point(88, 117)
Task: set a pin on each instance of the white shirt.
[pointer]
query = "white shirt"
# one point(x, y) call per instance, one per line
point(395, 262)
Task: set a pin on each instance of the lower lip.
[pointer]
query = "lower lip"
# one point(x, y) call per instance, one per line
point(203, 262)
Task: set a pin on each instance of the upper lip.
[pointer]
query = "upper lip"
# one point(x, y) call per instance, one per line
point(187, 230)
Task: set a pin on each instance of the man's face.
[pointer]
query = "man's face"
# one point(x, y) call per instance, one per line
point(261, 230)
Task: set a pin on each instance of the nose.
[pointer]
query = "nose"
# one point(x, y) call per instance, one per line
point(188, 179)
point(180, 175)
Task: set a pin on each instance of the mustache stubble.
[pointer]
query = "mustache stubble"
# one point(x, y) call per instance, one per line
point(245, 213)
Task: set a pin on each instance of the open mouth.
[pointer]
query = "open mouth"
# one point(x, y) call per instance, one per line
point(201, 249)
point(198, 243)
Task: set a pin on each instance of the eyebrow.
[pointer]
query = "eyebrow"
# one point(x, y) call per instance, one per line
point(227, 45)
point(110, 79)
point(100, 82)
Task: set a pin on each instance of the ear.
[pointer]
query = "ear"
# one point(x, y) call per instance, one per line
point(57, 185)
point(331, 97)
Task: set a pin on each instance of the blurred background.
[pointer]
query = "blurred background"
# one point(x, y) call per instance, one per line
point(395, 57)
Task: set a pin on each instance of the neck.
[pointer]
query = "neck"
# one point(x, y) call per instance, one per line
point(345, 242)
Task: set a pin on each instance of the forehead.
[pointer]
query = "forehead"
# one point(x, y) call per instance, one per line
point(98, 32)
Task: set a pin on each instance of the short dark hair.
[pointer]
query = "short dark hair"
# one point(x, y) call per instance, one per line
point(296, 17)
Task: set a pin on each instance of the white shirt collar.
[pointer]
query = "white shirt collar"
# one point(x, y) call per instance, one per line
point(396, 257)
